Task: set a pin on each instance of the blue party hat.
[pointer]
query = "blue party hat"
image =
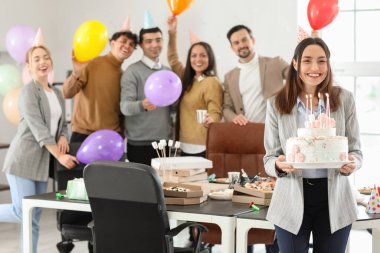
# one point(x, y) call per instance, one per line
point(148, 21)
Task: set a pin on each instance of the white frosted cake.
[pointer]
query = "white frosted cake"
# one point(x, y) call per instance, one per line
point(316, 145)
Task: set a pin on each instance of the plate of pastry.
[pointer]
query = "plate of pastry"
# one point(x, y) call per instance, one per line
point(221, 195)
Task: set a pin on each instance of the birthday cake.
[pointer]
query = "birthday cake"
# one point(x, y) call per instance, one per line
point(317, 143)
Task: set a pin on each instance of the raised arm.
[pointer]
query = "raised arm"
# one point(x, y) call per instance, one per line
point(173, 58)
point(77, 80)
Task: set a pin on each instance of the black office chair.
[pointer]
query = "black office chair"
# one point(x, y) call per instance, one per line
point(73, 225)
point(129, 211)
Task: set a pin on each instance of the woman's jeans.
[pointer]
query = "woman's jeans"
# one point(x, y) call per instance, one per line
point(21, 187)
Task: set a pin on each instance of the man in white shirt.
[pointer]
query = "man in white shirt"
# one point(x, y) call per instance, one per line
point(256, 78)
point(247, 87)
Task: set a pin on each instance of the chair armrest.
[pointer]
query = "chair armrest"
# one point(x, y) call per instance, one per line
point(91, 225)
point(175, 231)
point(198, 241)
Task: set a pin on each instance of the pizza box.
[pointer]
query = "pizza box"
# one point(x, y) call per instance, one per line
point(242, 198)
point(187, 172)
point(209, 187)
point(177, 179)
point(181, 163)
point(253, 192)
point(194, 190)
point(185, 201)
point(181, 173)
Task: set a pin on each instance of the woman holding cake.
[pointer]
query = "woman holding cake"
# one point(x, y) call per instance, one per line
point(311, 200)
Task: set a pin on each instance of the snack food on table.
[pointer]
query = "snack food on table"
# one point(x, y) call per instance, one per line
point(177, 189)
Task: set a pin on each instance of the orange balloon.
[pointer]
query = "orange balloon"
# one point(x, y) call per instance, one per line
point(10, 106)
point(178, 6)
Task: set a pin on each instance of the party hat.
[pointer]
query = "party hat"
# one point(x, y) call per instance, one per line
point(301, 34)
point(193, 38)
point(373, 202)
point(126, 27)
point(148, 21)
point(39, 40)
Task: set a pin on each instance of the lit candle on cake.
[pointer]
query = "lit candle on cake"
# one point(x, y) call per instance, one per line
point(307, 111)
point(320, 109)
point(311, 116)
point(328, 109)
point(311, 104)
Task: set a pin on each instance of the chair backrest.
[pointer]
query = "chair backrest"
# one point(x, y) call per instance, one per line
point(128, 207)
point(232, 147)
point(62, 174)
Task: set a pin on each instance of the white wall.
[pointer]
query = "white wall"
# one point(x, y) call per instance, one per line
point(273, 23)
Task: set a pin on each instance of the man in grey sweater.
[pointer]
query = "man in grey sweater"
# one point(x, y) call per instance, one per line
point(144, 122)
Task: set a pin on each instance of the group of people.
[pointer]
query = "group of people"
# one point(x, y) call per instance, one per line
point(105, 97)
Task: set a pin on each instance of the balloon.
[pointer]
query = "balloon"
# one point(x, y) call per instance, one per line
point(10, 106)
point(90, 39)
point(178, 6)
point(101, 145)
point(18, 41)
point(322, 12)
point(10, 78)
point(26, 78)
point(163, 88)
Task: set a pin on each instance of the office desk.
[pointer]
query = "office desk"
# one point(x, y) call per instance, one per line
point(246, 221)
point(222, 213)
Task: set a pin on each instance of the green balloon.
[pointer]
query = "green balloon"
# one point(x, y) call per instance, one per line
point(10, 78)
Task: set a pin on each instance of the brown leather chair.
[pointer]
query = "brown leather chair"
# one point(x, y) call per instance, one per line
point(231, 148)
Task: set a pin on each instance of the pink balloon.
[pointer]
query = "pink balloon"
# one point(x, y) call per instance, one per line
point(101, 145)
point(26, 78)
point(18, 40)
point(51, 77)
point(163, 88)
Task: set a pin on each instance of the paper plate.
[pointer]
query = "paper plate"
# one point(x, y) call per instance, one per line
point(325, 165)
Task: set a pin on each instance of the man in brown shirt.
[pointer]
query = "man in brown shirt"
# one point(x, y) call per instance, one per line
point(96, 87)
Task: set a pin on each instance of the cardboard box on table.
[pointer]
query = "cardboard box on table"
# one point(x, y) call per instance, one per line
point(182, 169)
point(247, 195)
point(181, 163)
point(195, 195)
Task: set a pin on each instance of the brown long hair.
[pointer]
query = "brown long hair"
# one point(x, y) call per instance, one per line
point(287, 96)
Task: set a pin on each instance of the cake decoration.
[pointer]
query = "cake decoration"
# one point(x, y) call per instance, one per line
point(317, 142)
point(373, 202)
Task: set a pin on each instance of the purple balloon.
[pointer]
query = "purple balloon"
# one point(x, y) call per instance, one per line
point(18, 41)
point(101, 145)
point(163, 88)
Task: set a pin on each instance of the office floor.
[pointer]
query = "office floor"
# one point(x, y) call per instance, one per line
point(49, 236)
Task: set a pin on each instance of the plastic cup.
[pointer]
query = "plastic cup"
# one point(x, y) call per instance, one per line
point(201, 115)
point(233, 176)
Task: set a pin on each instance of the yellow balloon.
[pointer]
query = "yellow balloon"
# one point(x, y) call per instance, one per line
point(10, 106)
point(90, 39)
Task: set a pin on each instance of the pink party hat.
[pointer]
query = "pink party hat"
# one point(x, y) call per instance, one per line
point(126, 27)
point(193, 38)
point(39, 40)
point(301, 34)
point(373, 202)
